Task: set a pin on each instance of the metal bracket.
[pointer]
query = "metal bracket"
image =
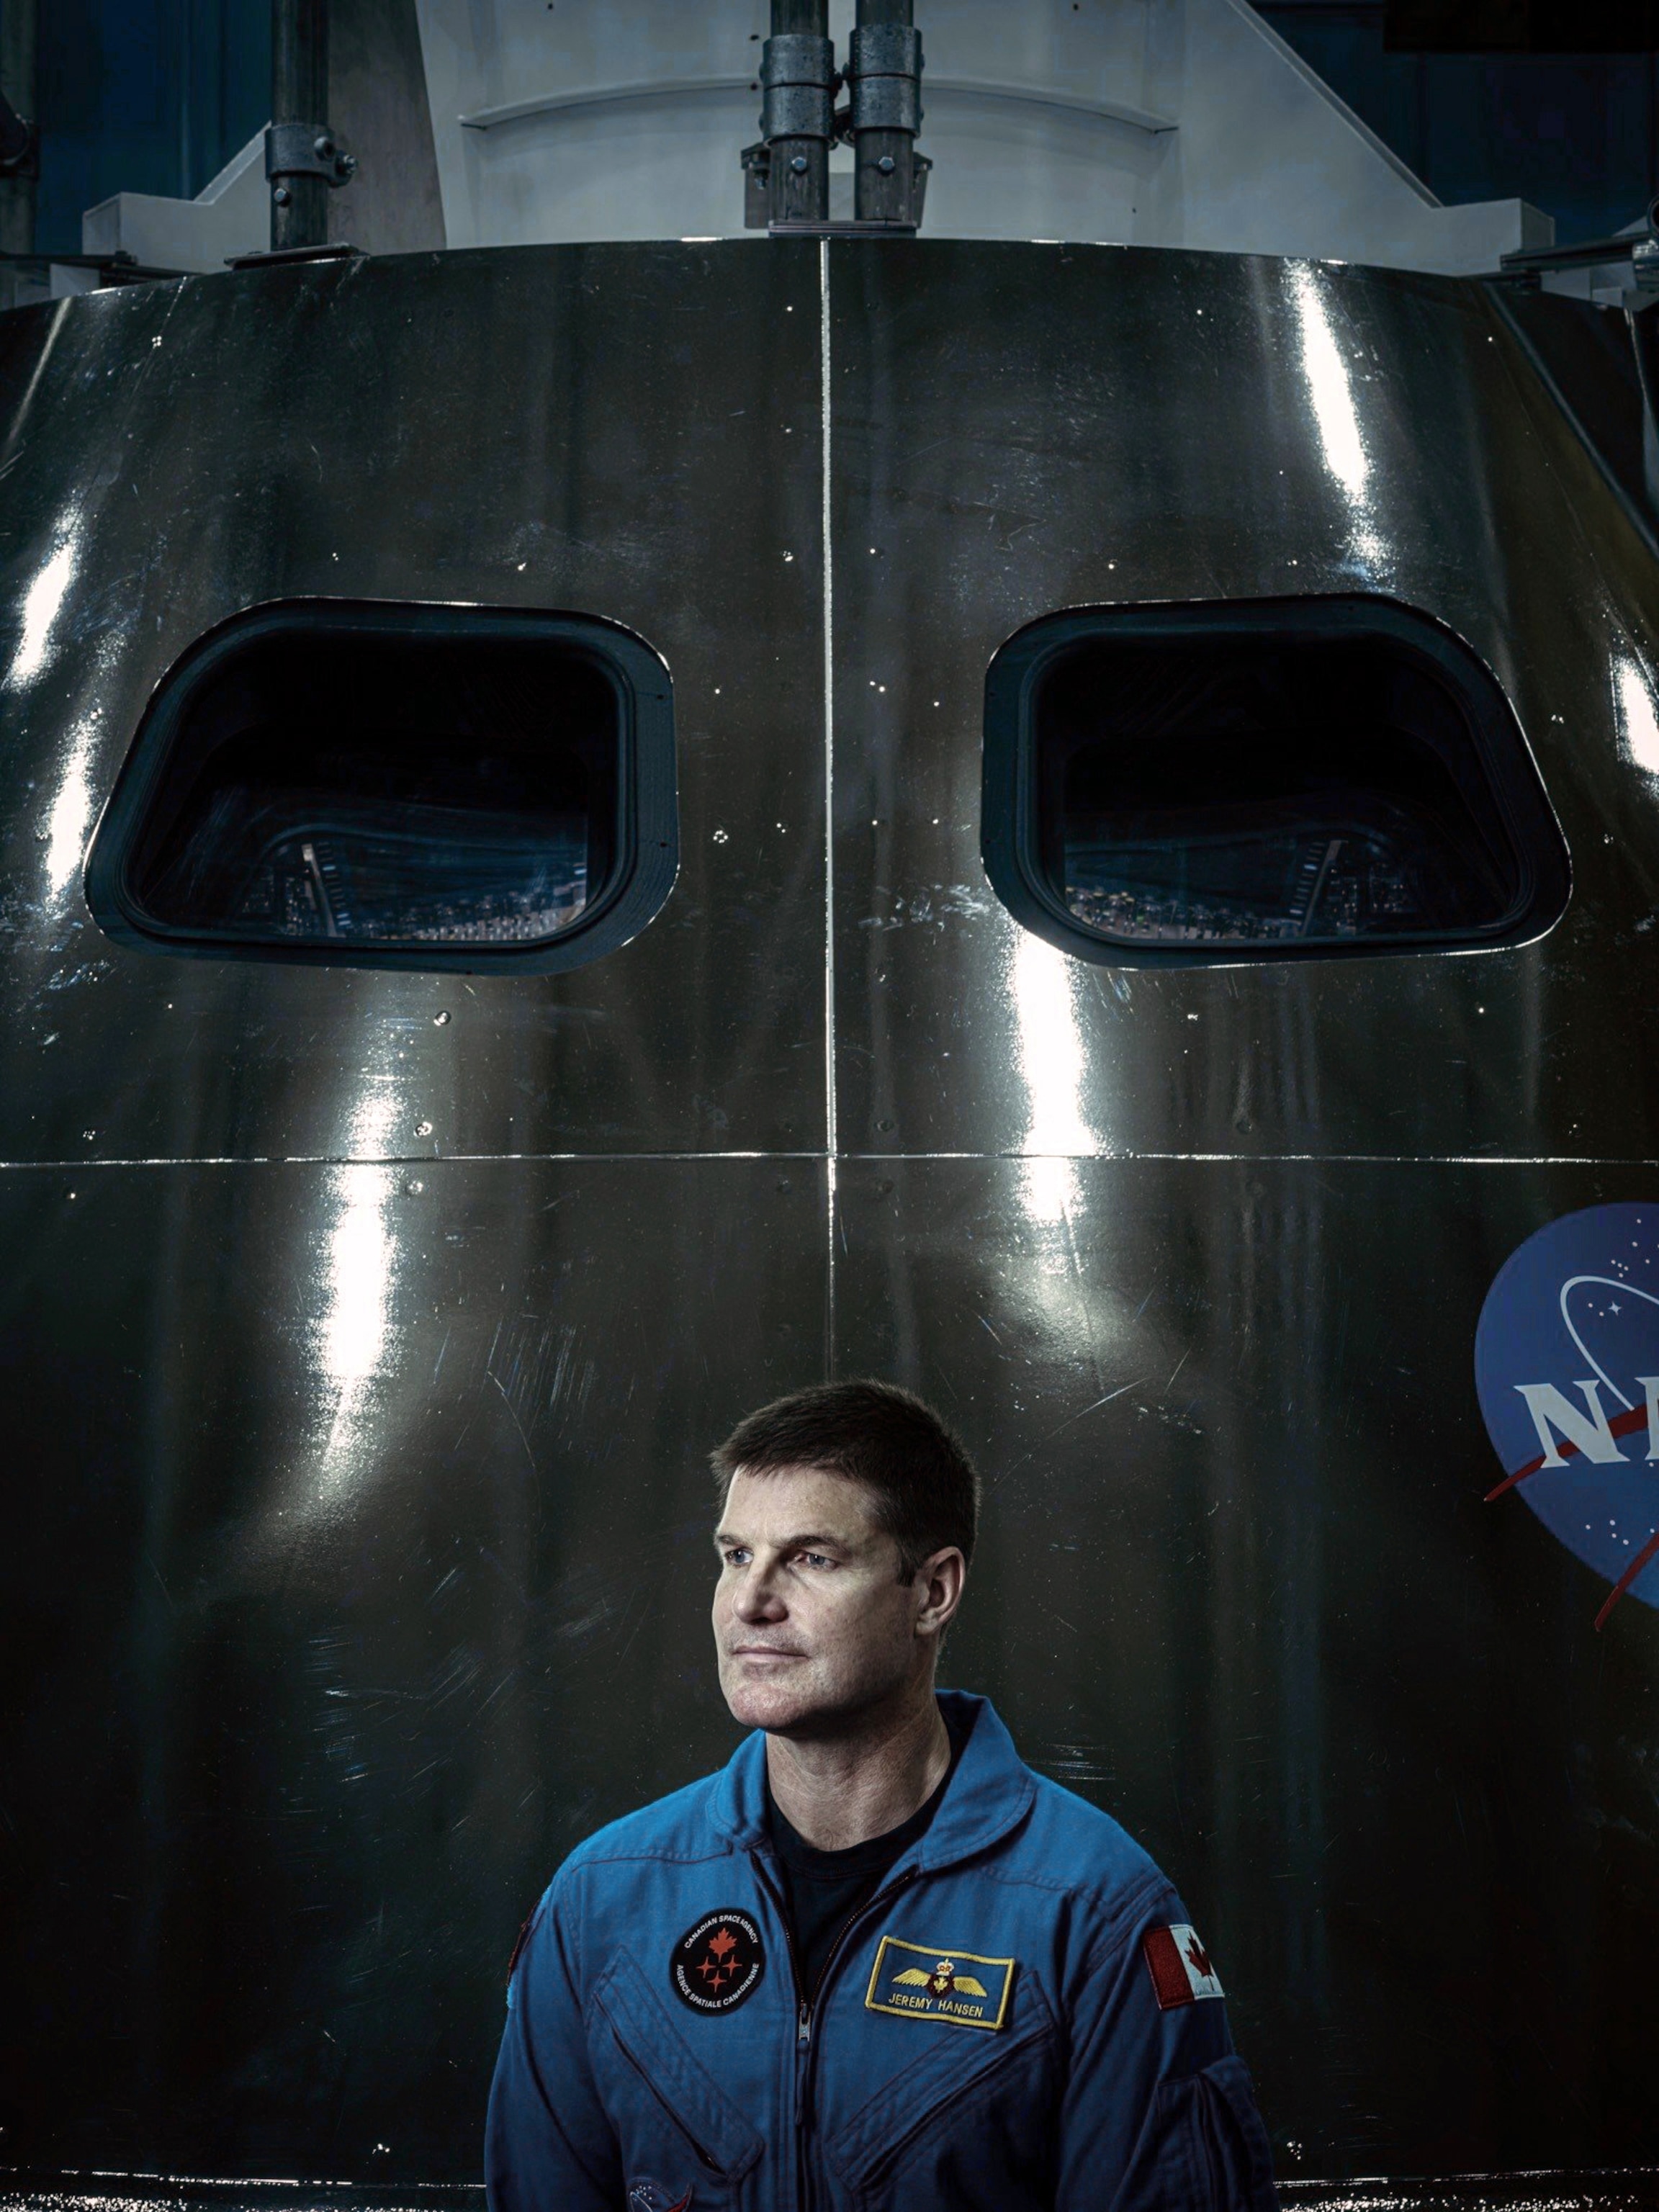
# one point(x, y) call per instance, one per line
point(757, 203)
point(307, 149)
point(1639, 249)
point(339, 250)
point(756, 186)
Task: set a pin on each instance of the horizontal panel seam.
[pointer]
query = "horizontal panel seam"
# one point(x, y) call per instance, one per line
point(413, 1160)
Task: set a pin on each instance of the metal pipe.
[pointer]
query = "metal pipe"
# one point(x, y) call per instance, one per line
point(19, 29)
point(798, 72)
point(1644, 324)
point(885, 71)
point(299, 95)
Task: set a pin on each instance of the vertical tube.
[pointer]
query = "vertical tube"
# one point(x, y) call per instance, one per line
point(797, 66)
point(298, 94)
point(19, 23)
point(886, 73)
point(1645, 344)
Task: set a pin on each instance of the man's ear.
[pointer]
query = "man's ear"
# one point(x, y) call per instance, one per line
point(940, 1578)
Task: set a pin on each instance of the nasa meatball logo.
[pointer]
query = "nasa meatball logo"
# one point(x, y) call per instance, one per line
point(718, 1962)
point(1566, 1364)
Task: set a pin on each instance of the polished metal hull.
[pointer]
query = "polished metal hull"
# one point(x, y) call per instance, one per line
point(361, 1364)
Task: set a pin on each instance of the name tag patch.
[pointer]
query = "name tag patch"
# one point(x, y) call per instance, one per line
point(928, 1981)
point(1182, 1971)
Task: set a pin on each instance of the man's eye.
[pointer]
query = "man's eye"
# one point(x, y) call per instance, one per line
point(736, 1557)
point(818, 1559)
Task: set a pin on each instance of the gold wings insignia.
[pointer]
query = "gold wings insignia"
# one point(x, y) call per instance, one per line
point(971, 1988)
point(911, 1978)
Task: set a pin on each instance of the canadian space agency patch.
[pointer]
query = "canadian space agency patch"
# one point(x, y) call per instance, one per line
point(928, 1981)
point(717, 1962)
point(1182, 1971)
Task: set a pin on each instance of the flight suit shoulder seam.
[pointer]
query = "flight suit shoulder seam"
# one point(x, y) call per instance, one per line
point(1116, 1904)
point(1013, 1878)
point(1128, 1911)
point(641, 1856)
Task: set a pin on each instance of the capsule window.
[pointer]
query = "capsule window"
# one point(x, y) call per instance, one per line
point(1262, 782)
point(396, 787)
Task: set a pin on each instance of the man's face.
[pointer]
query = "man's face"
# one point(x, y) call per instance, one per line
point(812, 1623)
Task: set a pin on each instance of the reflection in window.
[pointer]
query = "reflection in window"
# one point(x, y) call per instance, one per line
point(380, 784)
point(1271, 779)
point(360, 876)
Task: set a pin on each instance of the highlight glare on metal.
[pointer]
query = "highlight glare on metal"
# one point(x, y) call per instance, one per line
point(42, 603)
point(1638, 723)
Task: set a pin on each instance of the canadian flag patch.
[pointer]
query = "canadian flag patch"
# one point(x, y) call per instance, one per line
point(1182, 1971)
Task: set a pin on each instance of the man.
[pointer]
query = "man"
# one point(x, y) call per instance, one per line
point(875, 1962)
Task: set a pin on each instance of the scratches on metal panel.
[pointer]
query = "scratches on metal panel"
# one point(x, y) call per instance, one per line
point(512, 1412)
point(1069, 1422)
point(954, 902)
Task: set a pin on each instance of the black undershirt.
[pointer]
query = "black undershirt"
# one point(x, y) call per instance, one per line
point(821, 1890)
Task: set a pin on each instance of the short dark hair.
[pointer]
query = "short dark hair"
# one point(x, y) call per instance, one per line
point(924, 1488)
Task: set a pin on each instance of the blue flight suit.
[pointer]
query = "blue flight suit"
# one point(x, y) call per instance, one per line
point(1020, 2020)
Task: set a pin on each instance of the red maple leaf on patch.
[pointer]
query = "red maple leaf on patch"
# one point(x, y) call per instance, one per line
point(1199, 1959)
point(722, 1941)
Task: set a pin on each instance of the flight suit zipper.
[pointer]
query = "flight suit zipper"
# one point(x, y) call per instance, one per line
point(805, 2001)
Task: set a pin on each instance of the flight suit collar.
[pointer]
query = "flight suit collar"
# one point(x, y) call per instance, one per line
point(990, 1792)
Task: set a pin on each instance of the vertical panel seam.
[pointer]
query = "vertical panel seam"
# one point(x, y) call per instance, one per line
point(827, 555)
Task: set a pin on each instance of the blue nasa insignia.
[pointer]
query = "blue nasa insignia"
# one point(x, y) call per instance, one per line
point(1566, 1364)
point(931, 1981)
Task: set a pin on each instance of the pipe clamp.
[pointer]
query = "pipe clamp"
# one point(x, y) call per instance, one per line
point(885, 71)
point(307, 149)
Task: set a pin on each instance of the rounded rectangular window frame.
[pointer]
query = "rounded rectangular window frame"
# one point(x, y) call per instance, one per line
point(1011, 828)
point(645, 828)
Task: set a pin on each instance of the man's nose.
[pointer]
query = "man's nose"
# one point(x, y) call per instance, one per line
point(759, 1597)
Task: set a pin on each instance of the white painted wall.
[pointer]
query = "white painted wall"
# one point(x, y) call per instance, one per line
point(1144, 122)
point(1149, 122)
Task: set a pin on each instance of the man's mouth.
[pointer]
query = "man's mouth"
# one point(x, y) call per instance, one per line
point(764, 1651)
